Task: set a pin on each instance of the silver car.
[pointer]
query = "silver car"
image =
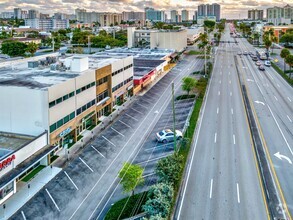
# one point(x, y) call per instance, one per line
point(167, 135)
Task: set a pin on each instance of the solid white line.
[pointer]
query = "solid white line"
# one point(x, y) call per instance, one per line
point(218, 110)
point(219, 93)
point(117, 132)
point(86, 164)
point(71, 180)
point(125, 124)
point(232, 111)
point(211, 189)
point(53, 200)
point(97, 151)
point(23, 216)
point(109, 141)
point(289, 99)
point(215, 137)
point(276, 98)
point(289, 118)
point(137, 111)
point(238, 196)
point(131, 117)
point(141, 105)
point(234, 140)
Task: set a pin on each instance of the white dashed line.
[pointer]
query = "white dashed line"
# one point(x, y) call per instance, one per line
point(53, 200)
point(131, 117)
point(230, 93)
point(229, 81)
point(238, 196)
point(215, 138)
point(109, 141)
point(232, 111)
point(218, 110)
point(278, 85)
point(276, 98)
point(289, 99)
point(220, 81)
point(117, 132)
point(125, 124)
point(234, 139)
point(289, 118)
point(219, 93)
point(23, 216)
point(98, 151)
point(71, 180)
point(211, 189)
point(86, 164)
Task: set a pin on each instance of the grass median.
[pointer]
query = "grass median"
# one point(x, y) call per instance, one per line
point(281, 72)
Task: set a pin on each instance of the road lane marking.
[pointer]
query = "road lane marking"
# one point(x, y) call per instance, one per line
point(276, 98)
point(131, 117)
point(125, 124)
point(23, 216)
point(211, 189)
point(86, 164)
point(219, 93)
point(150, 174)
point(229, 81)
point(137, 111)
point(238, 195)
point(230, 93)
point(281, 157)
point(215, 137)
point(278, 85)
point(232, 111)
point(220, 73)
point(289, 118)
point(234, 140)
point(218, 110)
point(71, 180)
point(270, 75)
point(229, 73)
point(97, 151)
point(141, 105)
point(109, 141)
point(220, 81)
point(53, 200)
point(289, 99)
point(117, 132)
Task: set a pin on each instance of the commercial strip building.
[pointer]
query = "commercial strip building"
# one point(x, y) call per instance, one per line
point(193, 34)
point(160, 39)
point(280, 15)
point(255, 14)
point(278, 30)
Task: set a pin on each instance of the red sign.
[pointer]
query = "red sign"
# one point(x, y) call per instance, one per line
point(6, 162)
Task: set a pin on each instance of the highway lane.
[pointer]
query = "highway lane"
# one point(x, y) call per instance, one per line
point(223, 181)
point(275, 115)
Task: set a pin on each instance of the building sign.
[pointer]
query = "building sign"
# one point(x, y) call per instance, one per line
point(65, 132)
point(5, 163)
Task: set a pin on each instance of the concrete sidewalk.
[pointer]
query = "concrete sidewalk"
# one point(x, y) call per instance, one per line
point(24, 194)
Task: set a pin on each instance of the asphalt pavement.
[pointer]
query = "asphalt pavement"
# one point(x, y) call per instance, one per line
point(222, 181)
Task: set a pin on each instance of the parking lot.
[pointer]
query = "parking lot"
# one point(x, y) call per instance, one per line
point(85, 184)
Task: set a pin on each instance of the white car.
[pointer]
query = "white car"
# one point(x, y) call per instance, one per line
point(168, 135)
point(267, 63)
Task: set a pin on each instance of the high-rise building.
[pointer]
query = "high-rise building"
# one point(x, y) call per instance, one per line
point(195, 16)
point(279, 15)
point(154, 15)
point(7, 15)
point(133, 16)
point(185, 15)
point(32, 14)
point(24, 14)
point(205, 10)
point(47, 24)
point(17, 13)
point(174, 15)
point(255, 14)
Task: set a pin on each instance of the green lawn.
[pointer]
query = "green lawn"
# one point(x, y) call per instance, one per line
point(195, 52)
point(34, 172)
point(54, 158)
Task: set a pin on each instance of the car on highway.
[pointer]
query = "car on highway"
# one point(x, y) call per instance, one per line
point(267, 63)
point(254, 58)
point(239, 53)
point(167, 135)
point(261, 67)
point(245, 53)
point(258, 63)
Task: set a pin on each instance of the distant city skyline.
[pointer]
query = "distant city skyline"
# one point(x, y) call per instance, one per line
point(229, 9)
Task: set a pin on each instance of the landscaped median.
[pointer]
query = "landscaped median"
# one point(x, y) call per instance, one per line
point(281, 72)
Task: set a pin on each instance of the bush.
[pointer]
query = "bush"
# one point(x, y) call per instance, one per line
point(278, 70)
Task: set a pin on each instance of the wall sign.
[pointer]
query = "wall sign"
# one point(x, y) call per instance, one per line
point(6, 162)
point(65, 132)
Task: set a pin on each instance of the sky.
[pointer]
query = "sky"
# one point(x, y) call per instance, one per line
point(229, 8)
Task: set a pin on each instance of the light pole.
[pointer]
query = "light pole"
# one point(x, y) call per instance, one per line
point(173, 106)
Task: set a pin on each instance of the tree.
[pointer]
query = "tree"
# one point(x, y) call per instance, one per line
point(284, 53)
point(159, 200)
point(287, 38)
point(131, 176)
point(209, 24)
point(188, 84)
point(289, 61)
point(32, 48)
point(168, 169)
point(13, 48)
point(267, 43)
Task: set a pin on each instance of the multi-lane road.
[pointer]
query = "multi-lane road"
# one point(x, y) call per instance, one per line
point(223, 181)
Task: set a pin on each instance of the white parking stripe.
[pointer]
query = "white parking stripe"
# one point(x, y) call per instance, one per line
point(71, 180)
point(97, 151)
point(289, 118)
point(289, 99)
point(276, 98)
point(86, 164)
point(109, 141)
point(141, 105)
point(125, 124)
point(157, 158)
point(117, 132)
point(131, 117)
point(150, 174)
point(23, 216)
point(53, 200)
point(137, 111)
point(238, 196)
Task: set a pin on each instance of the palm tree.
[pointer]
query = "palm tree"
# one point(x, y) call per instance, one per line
point(256, 35)
point(289, 61)
point(284, 53)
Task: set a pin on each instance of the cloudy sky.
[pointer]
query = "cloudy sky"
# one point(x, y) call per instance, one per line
point(230, 8)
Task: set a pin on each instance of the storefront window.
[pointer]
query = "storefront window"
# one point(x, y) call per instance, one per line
point(6, 190)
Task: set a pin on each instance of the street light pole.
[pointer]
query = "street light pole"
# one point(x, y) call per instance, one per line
point(173, 106)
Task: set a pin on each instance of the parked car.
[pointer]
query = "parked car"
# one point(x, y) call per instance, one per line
point(258, 63)
point(254, 58)
point(261, 67)
point(168, 135)
point(267, 63)
point(245, 53)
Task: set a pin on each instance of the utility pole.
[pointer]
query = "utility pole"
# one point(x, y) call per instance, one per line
point(173, 106)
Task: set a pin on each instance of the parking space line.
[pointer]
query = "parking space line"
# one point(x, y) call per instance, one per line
point(125, 124)
point(137, 111)
point(97, 151)
point(53, 200)
point(23, 216)
point(150, 174)
point(109, 141)
point(71, 180)
point(147, 101)
point(160, 146)
point(131, 117)
point(117, 132)
point(289, 99)
point(276, 98)
point(86, 164)
point(141, 105)
point(157, 158)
